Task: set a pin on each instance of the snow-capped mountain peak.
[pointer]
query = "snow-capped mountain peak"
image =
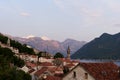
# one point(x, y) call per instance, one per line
point(29, 36)
point(45, 38)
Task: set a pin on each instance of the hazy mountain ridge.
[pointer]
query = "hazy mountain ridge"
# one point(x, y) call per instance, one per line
point(106, 46)
point(52, 46)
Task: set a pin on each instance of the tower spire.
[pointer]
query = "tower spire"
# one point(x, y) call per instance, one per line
point(68, 52)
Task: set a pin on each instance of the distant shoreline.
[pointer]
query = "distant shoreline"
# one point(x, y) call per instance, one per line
point(100, 60)
point(117, 62)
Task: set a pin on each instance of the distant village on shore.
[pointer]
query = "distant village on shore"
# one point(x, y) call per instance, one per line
point(47, 67)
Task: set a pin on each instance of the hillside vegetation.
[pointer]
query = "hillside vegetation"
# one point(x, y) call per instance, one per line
point(105, 47)
point(15, 44)
point(9, 63)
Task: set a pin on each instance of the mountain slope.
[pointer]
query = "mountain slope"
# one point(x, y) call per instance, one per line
point(106, 46)
point(51, 46)
point(74, 44)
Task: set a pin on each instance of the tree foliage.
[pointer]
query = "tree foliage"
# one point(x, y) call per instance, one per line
point(106, 46)
point(3, 39)
point(57, 62)
point(22, 48)
point(58, 55)
point(9, 62)
point(14, 74)
point(7, 55)
point(39, 55)
point(8, 72)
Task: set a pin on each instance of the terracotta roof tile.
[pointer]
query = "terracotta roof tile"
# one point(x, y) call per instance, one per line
point(46, 64)
point(42, 70)
point(53, 78)
point(102, 71)
point(54, 69)
point(32, 70)
point(31, 65)
point(70, 65)
point(59, 74)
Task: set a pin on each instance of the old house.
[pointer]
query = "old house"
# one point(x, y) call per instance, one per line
point(42, 73)
point(94, 71)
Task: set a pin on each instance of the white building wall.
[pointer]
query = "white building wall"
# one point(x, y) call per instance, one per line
point(25, 69)
point(80, 74)
point(45, 60)
point(33, 59)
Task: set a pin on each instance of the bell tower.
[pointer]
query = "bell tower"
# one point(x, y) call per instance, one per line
point(68, 52)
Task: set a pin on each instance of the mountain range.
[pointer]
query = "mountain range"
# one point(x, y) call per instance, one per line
point(106, 46)
point(51, 46)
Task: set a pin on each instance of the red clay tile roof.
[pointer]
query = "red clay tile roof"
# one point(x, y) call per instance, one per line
point(58, 69)
point(59, 74)
point(32, 70)
point(51, 69)
point(42, 70)
point(46, 64)
point(102, 71)
point(31, 65)
point(53, 78)
point(54, 69)
point(70, 65)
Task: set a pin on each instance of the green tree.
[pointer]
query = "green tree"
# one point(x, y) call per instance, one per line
point(58, 55)
point(27, 76)
point(57, 62)
point(3, 39)
point(18, 62)
point(8, 72)
point(22, 48)
point(39, 55)
point(14, 74)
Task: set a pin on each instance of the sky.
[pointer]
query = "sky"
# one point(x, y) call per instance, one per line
point(81, 20)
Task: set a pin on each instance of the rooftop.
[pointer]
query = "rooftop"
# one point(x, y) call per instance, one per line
point(101, 71)
point(41, 71)
point(46, 64)
point(53, 78)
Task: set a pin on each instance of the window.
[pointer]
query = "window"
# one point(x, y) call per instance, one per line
point(86, 75)
point(74, 74)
